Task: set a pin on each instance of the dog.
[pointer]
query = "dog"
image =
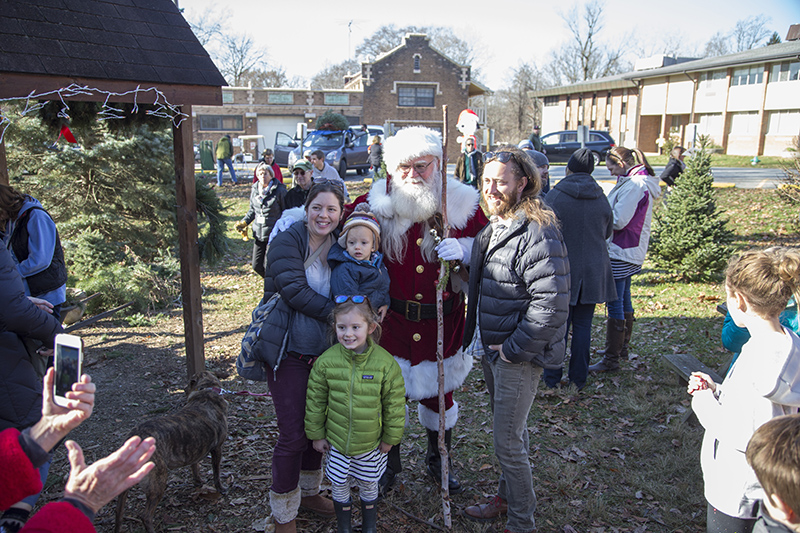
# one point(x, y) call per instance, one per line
point(183, 438)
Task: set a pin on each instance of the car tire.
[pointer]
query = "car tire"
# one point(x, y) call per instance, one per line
point(343, 168)
point(596, 157)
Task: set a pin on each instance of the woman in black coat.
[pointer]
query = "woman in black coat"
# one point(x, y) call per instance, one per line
point(586, 222)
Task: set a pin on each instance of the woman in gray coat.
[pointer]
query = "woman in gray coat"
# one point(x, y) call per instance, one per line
point(586, 222)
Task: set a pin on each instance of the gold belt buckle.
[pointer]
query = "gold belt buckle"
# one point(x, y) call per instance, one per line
point(411, 308)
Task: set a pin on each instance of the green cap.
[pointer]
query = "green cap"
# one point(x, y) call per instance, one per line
point(302, 164)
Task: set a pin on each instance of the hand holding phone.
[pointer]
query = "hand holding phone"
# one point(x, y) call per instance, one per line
point(68, 363)
point(56, 421)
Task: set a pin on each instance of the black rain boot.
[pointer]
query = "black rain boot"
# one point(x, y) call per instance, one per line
point(369, 516)
point(434, 460)
point(393, 467)
point(615, 336)
point(343, 513)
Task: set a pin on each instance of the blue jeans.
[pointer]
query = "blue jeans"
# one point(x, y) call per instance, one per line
point(580, 317)
point(221, 168)
point(623, 304)
point(512, 388)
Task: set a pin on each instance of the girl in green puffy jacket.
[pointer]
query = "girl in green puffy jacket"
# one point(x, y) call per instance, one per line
point(355, 409)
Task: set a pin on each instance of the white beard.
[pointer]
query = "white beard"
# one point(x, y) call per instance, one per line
point(411, 204)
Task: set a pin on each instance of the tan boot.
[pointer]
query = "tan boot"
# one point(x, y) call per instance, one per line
point(289, 527)
point(284, 510)
point(615, 336)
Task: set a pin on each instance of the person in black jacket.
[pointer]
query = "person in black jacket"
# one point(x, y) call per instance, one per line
point(675, 166)
point(20, 386)
point(267, 202)
point(301, 184)
point(586, 222)
point(519, 292)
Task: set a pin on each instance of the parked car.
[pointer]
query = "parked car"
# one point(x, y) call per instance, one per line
point(562, 144)
point(345, 149)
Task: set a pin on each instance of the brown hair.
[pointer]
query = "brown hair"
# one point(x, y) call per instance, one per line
point(11, 202)
point(523, 167)
point(267, 151)
point(774, 454)
point(319, 154)
point(767, 278)
point(625, 158)
point(326, 186)
point(677, 152)
point(366, 310)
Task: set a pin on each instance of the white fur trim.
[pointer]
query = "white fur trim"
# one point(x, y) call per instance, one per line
point(411, 143)
point(430, 419)
point(309, 482)
point(462, 202)
point(422, 379)
point(284, 506)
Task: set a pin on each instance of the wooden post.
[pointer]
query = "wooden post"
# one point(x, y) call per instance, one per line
point(187, 241)
point(443, 273)
point(3, 164)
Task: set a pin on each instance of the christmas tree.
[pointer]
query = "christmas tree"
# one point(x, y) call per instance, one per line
point(689, 236)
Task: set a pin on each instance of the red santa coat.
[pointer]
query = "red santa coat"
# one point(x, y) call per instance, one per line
point(413, 343)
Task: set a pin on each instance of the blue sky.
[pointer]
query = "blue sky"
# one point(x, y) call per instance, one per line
point(303, 37)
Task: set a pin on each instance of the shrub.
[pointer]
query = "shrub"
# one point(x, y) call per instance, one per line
point(789, 190)
point(689, 236)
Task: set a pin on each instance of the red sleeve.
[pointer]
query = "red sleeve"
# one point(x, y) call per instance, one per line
point(278, 172)
point(59, 517)
point(349, 208)
point(18, 477)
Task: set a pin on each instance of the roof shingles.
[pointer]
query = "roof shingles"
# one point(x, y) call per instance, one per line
point(137, 40)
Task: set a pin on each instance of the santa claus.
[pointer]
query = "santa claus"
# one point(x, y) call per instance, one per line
point(407, 208)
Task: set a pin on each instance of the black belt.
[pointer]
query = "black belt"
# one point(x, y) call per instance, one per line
point(415, 311)
point(308, 359)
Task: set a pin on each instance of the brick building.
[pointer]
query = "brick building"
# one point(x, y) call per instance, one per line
point(406, 86)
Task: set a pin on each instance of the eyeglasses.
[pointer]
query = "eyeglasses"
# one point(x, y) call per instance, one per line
point(419, 168)
point(503, 157)
point(357, 299)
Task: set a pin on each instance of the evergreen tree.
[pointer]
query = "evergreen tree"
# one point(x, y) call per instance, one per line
point(113, 201)
point(689, 236)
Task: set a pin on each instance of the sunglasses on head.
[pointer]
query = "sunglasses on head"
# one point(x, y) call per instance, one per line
point(503, 157)
point(357, 299)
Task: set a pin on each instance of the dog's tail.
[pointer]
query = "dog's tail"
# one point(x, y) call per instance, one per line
point(121, 499)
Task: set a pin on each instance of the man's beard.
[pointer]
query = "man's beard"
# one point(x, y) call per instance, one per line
point(411, 204)
point(508, 205)
point(414, 202)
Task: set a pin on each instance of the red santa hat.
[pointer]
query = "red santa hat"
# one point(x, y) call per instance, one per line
point(409, 144)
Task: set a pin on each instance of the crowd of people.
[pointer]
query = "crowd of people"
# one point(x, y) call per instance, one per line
point(352, 337)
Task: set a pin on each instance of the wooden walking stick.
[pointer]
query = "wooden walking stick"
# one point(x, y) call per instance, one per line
point(444, 268)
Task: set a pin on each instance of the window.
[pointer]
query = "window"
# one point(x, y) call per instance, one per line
point(710, 123)
point(417, 62)
point(550, 100)
point(744, 123)
point(786, 71)
point(220, 122)
point(227, 97)
point(337, 99)
point(415, 96)
point(748, 76)
point(786, 122)
point(624, 109)
point(280, 98)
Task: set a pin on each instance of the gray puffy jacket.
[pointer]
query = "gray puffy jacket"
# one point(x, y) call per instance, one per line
point(523, 284)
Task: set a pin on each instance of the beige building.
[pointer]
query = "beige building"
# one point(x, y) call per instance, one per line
point(749, 102)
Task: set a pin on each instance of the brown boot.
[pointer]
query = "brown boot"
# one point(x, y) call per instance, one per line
point(319, 505)
point(284, 510)
point(484, 512)
point(629, 320)
point(615, 335)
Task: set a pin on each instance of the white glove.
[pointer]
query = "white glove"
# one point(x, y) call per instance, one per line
point(452, 249)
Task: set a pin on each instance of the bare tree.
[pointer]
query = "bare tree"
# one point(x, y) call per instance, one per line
point(332, 76)
point(511, 110)
point(717, 45)
point(750, 32)
point(266, 77)
point(584, 57)
point(207, 26)
point(239, 55)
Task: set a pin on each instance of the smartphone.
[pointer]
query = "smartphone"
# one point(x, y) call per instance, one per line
point(68, 362)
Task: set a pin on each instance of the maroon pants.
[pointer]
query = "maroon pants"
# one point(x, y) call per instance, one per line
point(294, 451)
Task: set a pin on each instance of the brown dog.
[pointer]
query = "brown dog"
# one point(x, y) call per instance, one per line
point(183, 438)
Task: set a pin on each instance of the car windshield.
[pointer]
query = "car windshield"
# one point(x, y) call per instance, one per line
point(323, 140)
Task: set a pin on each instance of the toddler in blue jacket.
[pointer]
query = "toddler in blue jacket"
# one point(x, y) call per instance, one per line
point(356, 264)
